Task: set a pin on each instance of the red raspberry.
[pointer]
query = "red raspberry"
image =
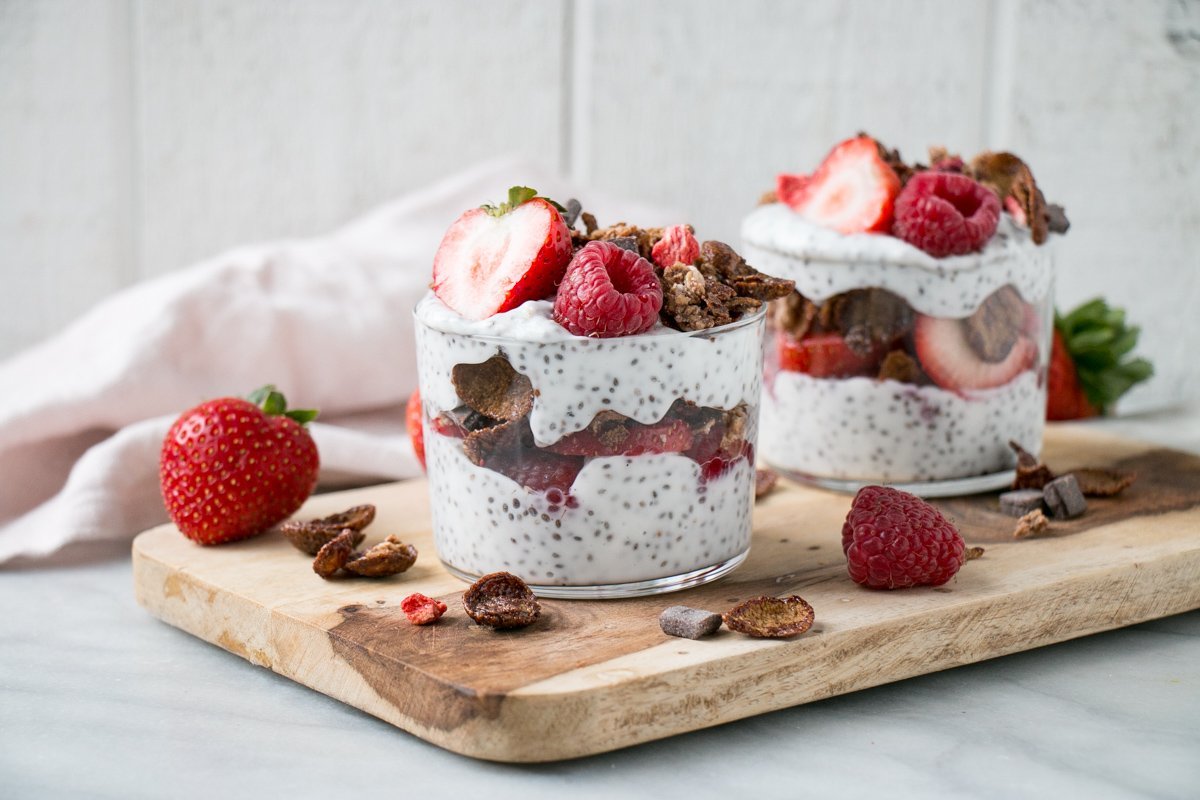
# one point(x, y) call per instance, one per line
point(608, 291)
point(422, 610)
point(945, 214)
point(893, 540)
point(678, 246)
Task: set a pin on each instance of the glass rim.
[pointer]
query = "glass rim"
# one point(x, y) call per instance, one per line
point(749, 319)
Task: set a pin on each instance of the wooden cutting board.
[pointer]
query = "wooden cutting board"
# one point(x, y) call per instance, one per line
point(593, 676)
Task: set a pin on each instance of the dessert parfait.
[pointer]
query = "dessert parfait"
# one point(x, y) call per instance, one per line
point(589, 399)
point(915, 345)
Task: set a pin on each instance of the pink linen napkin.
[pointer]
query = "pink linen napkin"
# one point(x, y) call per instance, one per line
point(327, 320)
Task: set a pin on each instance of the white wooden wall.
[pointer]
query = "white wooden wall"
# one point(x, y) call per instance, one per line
point(137, 136)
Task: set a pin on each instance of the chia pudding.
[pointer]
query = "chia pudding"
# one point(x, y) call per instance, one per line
point(594, 465)
point(894, 361)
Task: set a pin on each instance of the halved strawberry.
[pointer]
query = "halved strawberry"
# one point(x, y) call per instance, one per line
point(788, 187)
point(950, 361)
point(666, 436)
point(824, 355)
point(494, 258)
point(852, 191)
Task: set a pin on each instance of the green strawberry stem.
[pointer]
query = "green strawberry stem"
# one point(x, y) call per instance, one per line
point(517, 196)
point(1098, 341)
point(273, 404)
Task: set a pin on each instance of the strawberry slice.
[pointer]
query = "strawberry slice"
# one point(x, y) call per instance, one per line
point(494, 258)
point(825, 355)
point(789, 187)
point(667, 436)
point(952, 363)
point(852, 191)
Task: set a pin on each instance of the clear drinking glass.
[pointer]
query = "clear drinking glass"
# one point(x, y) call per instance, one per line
point(590, 467)
point(950, 366)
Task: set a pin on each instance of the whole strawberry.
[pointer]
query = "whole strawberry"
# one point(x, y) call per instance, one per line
point(412, 421)
point(1090, 364)
point(893, 540)
point(231, 468)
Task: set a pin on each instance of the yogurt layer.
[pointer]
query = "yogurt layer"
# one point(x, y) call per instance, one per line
point(824, 263)
point(865, 429)
point(576, 377)
point(634, 519)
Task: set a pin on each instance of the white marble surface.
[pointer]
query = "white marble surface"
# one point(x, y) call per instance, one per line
point(98, 699)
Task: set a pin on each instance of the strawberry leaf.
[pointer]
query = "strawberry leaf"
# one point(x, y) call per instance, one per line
point(518, 196)
point(274, 404)
point(1098, 341)
point(302, 415)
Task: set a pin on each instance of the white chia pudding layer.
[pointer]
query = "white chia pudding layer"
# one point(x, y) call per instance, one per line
point(867, 429)
point(625, 519)
point(576, 377)
point(634, 519)
point(825, 263)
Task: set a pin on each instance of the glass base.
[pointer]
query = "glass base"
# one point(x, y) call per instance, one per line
point(610, 591)
point(947, 488)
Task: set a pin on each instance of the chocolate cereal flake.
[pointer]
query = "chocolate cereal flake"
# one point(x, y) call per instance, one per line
point(309, 536)
point(794, 314)
point(1031, 473)
point(389, 557)
point(899, 366)
point(770, 617)
point(1098, 482)
point(869, 319)
point(764, 482)
point(1008, 176)
point(996, 325)
point(494, 388)
point(501, 600)
point(334, 554)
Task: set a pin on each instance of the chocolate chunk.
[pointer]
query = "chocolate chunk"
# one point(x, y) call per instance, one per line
point(1031, 524)
point(996, 325)
point(571, 214)
point(494, 388)
point(589, 222)
point(688, 623)
point(721, 262)
point(1056, 219)
point(1063, 498)
point(1020, 502)
point(625, 243)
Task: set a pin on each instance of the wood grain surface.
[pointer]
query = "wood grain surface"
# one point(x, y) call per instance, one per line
point(592, 676)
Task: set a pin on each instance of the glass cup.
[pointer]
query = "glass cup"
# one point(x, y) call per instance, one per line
point(892, 367)
point(590, 467)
